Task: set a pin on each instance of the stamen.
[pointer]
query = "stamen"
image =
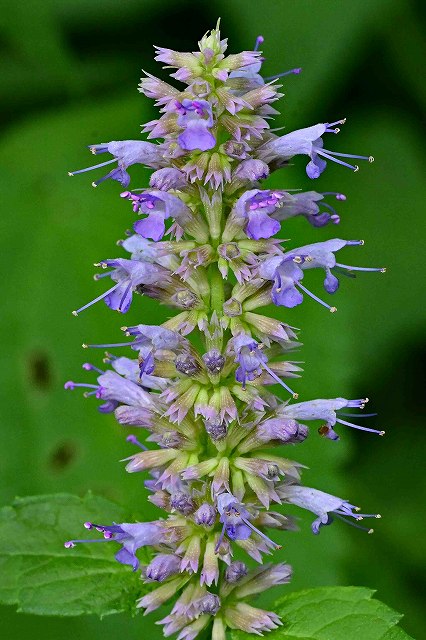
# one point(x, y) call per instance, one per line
point(332, 124)
point(106, 346)
point(350, 155)
point(89, 304)
point(72, 385)
point(338, 196)
point(259, 40)
point(349, 268)
point(314, 297)
point(88, 394)
point(95, 166)
point(91, 367)
point(98, 276)
point(133, 439)
point(262, 535)
point(281, 382)
point(355, 426)
point(327, 154)
point(295, 71)
point(354, 524)
point(358, 415)
point(71, 543)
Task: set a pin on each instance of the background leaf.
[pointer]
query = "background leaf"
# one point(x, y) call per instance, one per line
point(333, 613)
point(40, 576)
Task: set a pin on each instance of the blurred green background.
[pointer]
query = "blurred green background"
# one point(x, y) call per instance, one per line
point(68, 74)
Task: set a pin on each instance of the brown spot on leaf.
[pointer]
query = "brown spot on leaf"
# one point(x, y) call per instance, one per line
point(39, 369)
point(62, 456)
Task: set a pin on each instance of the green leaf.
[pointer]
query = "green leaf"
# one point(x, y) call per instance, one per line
point(40, 576)
point(331, 613)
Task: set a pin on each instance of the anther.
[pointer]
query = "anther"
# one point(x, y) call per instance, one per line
point(356, 168)
point(88, 525)
point(378, 516)
point(70, 173)
point(94, 184)
point(295, 396)
point(74, 313)
point(333, 309)
point(370, 531)
point(382, 433)
point(370, 159)
point(383, 270)
point(84, 345)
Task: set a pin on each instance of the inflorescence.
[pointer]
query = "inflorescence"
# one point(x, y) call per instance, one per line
point(204, 243)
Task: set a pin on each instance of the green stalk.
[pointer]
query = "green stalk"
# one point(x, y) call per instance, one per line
point(217, 289)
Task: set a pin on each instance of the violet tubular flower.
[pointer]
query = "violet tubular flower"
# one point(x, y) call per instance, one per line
point(213, 434)
point(126, 153)
point(288, 272)
point(131, 536)
point(309, 142)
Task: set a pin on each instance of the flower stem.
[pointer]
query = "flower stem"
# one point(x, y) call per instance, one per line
point(217, 290)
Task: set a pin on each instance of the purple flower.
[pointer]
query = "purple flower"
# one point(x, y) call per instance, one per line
point(287, 272)
point(252, 360)
point(131, 536)
point(236, 521)
point(151, 341)
point(308, 142)
point(168, 178)
point(128, 274)
point(126, 153)
point(158, 206)
point(195, 117)
point(115, 389)
point(162, 567)
point(326, 410)
point(251, 170)
point(283, 429)
point(324, 505)
point(255, 206)
point(308, 204)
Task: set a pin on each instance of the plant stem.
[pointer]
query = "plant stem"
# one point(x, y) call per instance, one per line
point(217, 290)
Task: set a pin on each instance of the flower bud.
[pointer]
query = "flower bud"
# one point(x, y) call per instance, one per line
point(162, 567)
point(182, 502)
point(205, 515)
point(214, 361)
point(187, 364)
point(235, 571)
point(216, 428)
point(209, 604)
